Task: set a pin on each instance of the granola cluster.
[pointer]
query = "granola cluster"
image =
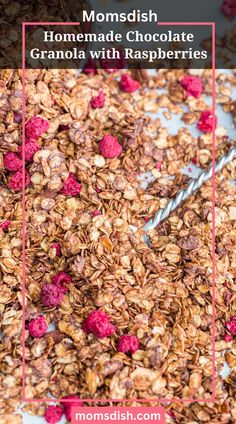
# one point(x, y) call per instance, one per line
point(108, 316)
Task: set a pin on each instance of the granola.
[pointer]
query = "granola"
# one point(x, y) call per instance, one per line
point(161, 295)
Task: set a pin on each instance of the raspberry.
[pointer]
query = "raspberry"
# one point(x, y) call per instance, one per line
point(192, 85)
point(71, 187)
point(98, 323)
point(60, 278)
point(12, 162)
point(97, 212)
point(228, 8)
point(231, 326)
point(36, 126)
point(205, 123)
point(57, 247)
point(90, 67)
point(38, 326)
point(16, 183)
point(68, 405)
point(109, 147)
point(128, 344)
point(98, 101)
point(53, 414)
point(128, 84)
point(31, 147)
point(4, 226)
point(158, 165)
point(51, 295)
point(228, 338)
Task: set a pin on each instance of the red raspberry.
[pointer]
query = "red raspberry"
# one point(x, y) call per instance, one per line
point(228, 8)
point(36, 126)
point(228, 338)
point(128, 344)
point(205, 123)
point(98, 323)
point(4, 226)
point(192, 85)
point(38, 326)
point(171, 414)
point(57, 247)
point(68, 405)
point(109, 147)
point(98, 101)
point(60, 278)
point(158, 165)
point(128, 84)
point(231, 326)
point(12, 162)
point(53, 414)
point(71, 187)
point(31, 147)
point(97, 212)
point(15, 182)
point(90, 67)
point(51, 295)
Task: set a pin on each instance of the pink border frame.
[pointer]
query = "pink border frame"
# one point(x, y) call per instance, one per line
point(161, 400)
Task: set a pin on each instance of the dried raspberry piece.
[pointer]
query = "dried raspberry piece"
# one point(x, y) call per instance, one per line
point(158, 165)
point(74, 401)
point(109, 147)
point(192, 85)
point(97, 212)
point(228, 8)
point(231, 326)
point(16, 180)
point(205, 123)
point(90, 67)
point(31, 147)
point(57, 247)
point(12, 162)
point(171, 414)
point(194, 160)
point(71, 186)
point(128, 84)
point(128, 344)
point(51, 295)
point(228, 338)
point(98, 101)
point(60, 279)
point(4, 226)
point(36, 126)
point(38, 326)
point(98, 323)
point(53, 414)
